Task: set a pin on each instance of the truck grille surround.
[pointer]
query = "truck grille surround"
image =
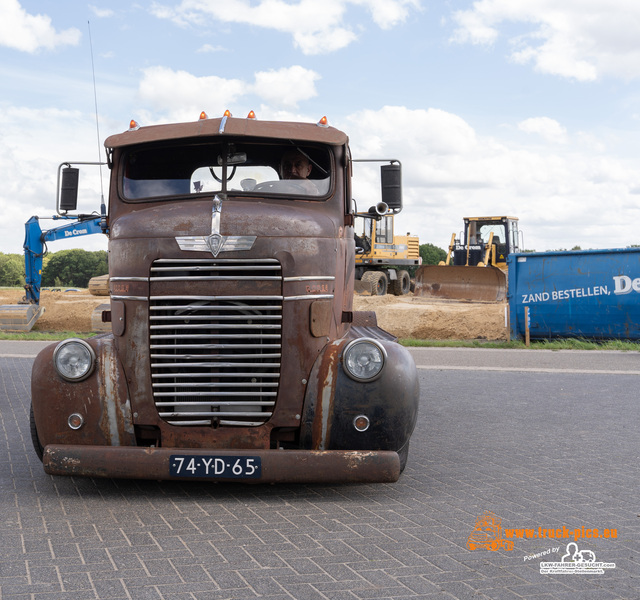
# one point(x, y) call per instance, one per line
point(215, 359)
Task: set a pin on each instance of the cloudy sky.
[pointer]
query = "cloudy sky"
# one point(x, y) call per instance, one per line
point(530, 109)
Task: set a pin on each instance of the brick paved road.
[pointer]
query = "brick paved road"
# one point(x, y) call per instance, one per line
point(539, 449)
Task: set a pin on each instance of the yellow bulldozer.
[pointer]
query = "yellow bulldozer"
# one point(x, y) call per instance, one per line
point(383, 258)
point(476, 265)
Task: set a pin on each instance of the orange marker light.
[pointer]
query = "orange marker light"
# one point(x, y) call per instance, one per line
point(324, 122)
point(227, 113)
point(133, 125)
point(251, 115)
point(203, 115)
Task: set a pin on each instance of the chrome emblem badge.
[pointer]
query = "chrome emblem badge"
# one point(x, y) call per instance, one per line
point(215, 242)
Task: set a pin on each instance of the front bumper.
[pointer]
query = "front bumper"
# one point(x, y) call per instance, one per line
point(278, 466)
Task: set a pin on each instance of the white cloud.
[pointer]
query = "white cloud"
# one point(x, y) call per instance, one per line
point(547, 128)
point(388, 14)
point(30, 33)
point(577, 39)
point(179, 95)
point(323, 40)
point(420, 139)
point(208, 48)
point(473, 27)
point(316, 27)
point(286, 86)
point(101, 13)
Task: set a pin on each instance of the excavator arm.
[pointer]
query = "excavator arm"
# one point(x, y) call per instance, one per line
point(35, 241)
point(23, 316)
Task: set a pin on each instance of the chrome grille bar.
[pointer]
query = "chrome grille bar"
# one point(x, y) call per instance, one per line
point(215, 359)
point(209, 325)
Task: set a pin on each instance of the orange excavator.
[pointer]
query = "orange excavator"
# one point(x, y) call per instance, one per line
point(476, 265)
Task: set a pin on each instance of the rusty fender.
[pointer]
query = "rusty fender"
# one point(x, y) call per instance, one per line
point(278, 466)
point(333, 401)
point(101, 400)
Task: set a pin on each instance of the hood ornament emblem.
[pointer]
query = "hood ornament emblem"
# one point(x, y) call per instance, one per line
point(216, 243)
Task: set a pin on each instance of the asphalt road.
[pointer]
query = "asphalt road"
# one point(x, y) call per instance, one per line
point(548, 442)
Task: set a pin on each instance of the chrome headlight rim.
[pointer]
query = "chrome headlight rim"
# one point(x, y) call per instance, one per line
point(91, 362)
point(351, 346)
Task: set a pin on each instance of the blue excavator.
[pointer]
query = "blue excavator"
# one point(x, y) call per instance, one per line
point(23, 316)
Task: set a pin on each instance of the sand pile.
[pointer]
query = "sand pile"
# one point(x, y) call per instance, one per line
point(412, 317)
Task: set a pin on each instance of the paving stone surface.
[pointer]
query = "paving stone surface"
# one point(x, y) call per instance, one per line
point(540, 450)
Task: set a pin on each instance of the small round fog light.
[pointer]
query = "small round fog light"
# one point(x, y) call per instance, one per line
point(361, 423)
point(75, 421)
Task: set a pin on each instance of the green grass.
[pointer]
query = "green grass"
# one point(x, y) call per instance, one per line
point(556, 344)
point(44, 336)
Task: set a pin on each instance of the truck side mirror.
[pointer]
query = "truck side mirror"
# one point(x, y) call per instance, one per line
point(391, 180)
point(69, 189)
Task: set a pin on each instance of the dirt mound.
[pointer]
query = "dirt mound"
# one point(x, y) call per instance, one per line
point(419, 318)
point(63, 311)
point(404, 316)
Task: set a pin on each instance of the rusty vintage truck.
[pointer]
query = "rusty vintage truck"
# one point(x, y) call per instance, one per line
point(235, 353)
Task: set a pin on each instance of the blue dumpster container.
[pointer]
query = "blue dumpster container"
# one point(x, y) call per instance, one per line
point(592, 294)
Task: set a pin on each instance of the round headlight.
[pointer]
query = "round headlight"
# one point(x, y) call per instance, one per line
point(74, 359)
point(363, 360)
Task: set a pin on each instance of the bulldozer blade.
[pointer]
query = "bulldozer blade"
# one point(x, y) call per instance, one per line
point(363, 288)
point(19, 317)
point(475, 284)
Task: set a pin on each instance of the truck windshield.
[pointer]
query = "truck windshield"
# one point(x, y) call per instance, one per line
point(243, 168)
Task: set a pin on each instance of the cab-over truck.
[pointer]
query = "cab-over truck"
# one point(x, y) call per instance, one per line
point(235, 353)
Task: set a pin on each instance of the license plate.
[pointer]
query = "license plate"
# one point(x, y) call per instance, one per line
point(227, 467)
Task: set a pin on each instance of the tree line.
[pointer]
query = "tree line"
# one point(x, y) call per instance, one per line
point(65, 268)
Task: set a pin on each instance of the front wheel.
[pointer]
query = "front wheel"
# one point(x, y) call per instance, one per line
point(378, 282)
point(402, 285)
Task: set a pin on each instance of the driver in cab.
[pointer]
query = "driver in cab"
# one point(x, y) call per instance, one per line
point(295, 166)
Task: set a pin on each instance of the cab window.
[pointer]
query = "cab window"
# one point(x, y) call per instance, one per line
point(247, 169)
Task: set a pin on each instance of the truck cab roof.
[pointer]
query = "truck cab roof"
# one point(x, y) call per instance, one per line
point(229, 126)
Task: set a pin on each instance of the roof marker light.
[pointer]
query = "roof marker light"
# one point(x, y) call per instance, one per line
point(223, 121)
point(203, 115)
point(133, 125)
point(324, 122)
point(251, 115)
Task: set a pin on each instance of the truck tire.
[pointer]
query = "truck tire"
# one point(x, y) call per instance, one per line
point(378, 282)
point(402, 285)
point(37, 446)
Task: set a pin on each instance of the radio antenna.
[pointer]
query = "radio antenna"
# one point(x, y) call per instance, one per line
point(103, 209)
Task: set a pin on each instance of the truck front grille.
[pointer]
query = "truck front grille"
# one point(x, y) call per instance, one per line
point(215, 356)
